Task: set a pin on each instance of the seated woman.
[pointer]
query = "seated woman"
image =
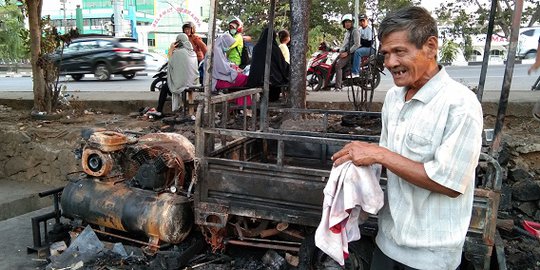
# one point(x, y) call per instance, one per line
point(225, 74)
point(182, 72)
point(279, 68)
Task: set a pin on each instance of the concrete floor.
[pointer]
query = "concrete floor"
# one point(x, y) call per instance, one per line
point(15, 237)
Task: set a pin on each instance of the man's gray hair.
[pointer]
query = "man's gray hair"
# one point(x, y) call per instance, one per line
point(415, 20)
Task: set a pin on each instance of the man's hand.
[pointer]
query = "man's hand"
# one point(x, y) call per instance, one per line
point(171, 49)
point(534, 67)
point(360, 153)
point(343, 54)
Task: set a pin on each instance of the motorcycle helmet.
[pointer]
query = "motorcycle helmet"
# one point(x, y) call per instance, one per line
point(238, 22)
point(323, 46)
point(346, 17)
point(189, 25)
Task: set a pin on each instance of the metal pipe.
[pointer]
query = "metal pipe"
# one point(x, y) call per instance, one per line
point(266, 85)
point(487, 50)
point(208, 63)
point(269, 232)
point(507, 80)
point(127, 238)
point(50, 192)
point(262, 245)
point(280, 152)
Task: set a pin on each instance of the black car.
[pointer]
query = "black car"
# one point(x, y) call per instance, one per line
point(101, 56)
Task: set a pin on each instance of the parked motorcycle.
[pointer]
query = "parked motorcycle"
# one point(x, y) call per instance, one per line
point(321, 70)
point(160, 78)
point(320, 60)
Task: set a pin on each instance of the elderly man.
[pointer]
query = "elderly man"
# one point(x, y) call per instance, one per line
point(430, 144)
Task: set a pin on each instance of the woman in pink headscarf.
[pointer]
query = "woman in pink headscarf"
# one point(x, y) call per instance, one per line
point(224, 73)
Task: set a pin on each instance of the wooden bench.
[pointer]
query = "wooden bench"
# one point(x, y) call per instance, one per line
point(187, 98)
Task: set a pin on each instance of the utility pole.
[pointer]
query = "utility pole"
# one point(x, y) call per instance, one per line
point(356, 12)
point(118, 6)
point(64, 20)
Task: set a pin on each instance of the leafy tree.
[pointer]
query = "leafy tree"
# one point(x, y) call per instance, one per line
point(254, 15)
point(449, 50)
point(324, 16)
point(12, 33)
point(44, 39)
point(383, 7)
point(469, 18)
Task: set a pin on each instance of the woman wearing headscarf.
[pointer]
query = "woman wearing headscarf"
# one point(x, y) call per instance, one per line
point(224, 73)
point(182, 72)
point(279, 68)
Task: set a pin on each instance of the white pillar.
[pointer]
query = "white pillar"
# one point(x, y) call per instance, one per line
point(142, 40)
point(118, 6)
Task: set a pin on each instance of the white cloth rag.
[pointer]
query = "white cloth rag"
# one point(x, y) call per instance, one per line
point(350, 193)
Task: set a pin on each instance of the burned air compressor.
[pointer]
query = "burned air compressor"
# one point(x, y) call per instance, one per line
point(137, 185)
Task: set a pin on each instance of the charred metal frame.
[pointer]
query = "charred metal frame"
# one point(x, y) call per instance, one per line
point(42, 248)
point(247, 175)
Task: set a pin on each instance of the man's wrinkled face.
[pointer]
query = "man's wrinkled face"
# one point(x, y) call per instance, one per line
point(407, 64)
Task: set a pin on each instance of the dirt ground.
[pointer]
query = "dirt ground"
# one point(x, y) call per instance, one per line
point(520, 134)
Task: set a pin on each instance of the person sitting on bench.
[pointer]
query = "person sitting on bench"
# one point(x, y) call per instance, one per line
point(226, 75)
point(183, 73)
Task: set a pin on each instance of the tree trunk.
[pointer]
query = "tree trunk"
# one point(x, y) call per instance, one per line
point(299, 40)
point(34, 21)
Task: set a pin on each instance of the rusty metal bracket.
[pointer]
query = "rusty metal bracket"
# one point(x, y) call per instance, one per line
point(210, 214)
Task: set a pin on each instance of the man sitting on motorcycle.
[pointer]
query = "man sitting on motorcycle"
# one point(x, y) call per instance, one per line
point(366, 43)
point(351, 42)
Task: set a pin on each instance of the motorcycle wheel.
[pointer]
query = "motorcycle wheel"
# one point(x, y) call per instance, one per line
point(314, 81)
point(376, 78)
point(313, 258)
point(157, 84)
point(369, 80)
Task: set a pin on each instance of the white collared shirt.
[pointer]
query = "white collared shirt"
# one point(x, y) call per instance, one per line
point(441, 127)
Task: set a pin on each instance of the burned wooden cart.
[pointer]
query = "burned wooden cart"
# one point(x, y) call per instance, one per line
point(255, 181)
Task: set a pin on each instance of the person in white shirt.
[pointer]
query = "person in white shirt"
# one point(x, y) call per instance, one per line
point(430, 144)
point(366, 44)
point(284, 39)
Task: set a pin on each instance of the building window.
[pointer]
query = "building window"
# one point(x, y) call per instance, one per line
point(151, 42)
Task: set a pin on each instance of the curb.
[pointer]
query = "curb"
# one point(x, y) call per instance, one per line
point(15, 75)
point(29, 74)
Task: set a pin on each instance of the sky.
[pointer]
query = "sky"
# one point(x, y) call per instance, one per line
point(431, 4)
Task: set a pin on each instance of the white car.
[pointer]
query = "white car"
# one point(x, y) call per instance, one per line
point(154, 61)
point(528, 42)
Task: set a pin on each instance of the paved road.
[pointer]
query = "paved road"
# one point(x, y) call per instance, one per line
point(468, 75)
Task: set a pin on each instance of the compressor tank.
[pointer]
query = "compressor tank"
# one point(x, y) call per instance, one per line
point(166, 216)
